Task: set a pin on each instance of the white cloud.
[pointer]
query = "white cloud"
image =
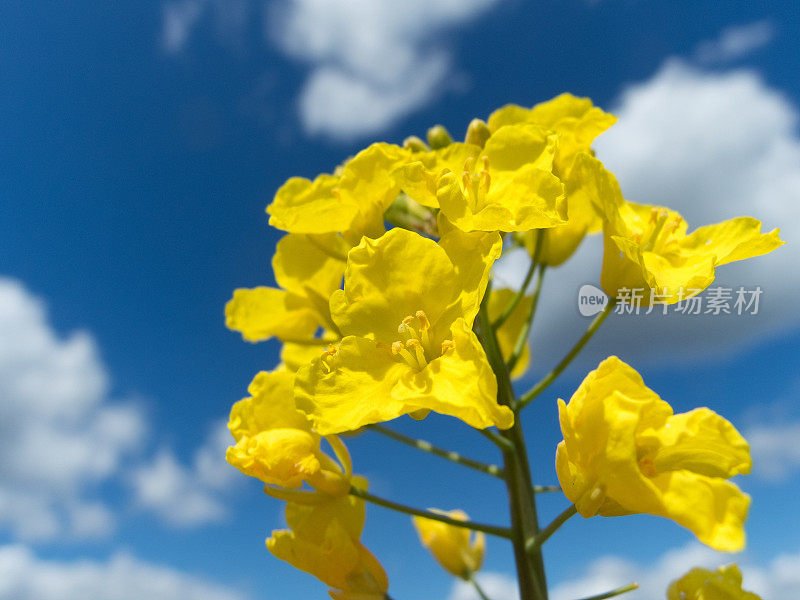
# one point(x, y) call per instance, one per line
point(497, 586)
point(182, 495)
point(736, 42)
point(712, 146)
point(372, 61)
point(177, 21)
point(779, 579)
point(24, 576)
point(59, 434)
point(775, 450)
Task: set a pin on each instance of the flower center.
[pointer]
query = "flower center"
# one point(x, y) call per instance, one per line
point(476, 185)
point(414, 346)
point(658, 231)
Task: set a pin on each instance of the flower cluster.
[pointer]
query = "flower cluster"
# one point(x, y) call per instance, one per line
point(385, 307)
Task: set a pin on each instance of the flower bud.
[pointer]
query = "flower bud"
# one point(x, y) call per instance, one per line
point(415, 144)
point(439, 137)
point(477, 133)
point(455, 548)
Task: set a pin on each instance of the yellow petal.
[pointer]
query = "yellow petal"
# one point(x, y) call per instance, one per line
point(457, 549)
point(700, 441)
point(270, 406)
point(472, 256)
point(303, 206)
point(350, 389)
point(261, 313)
point(732, 240)
point(701, 584)
point(460, 383)
point(389, 279)
point(284, 457)
point(710, 507)
point(305, 262)
point(513, 147)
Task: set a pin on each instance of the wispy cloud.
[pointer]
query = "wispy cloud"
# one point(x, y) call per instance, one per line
point(370, 62)
point(775, 450)
point(736, 42)
point(186, 495)
point(59, 431)
point(25, 576)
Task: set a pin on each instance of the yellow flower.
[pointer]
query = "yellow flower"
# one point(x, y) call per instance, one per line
point(584, 187)
point(307, 275)
point(625, 452)
point(275, 442)
point(576, 122)
point(455, 548)
point(406, 314)
point(701, 584)
point(323, 540)
point(509, 331)
point(351, 202)
point(507, 185)
point(647, 248)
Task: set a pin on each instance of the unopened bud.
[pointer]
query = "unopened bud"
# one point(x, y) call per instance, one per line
point(415, 144)
point(439, 137)
point(477, 133)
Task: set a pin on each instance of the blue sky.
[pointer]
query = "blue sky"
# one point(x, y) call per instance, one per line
point(139, 145)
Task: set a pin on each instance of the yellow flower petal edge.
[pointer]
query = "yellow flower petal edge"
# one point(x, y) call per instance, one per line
point(323, 540)
point(458, 550)
point(351, 202)
point(406, 315)
point(624, 452)
point(586, 186)
point(647, 248)
point(274, 440)
point(308, 270)
point(576, 122)
point(702, 584)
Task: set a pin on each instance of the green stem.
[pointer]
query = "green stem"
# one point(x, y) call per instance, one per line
point(552, 375)
point(617, 592)
point(535, 543)
point(522, 338)
point(522, 500)
point(448, 454)
point(504, 532)
point(503, 317)
point(543, 489)
point(477, 587)
point(496, 439)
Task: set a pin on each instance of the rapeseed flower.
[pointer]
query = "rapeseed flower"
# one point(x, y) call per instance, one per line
point(406, 314)
point(625, 452)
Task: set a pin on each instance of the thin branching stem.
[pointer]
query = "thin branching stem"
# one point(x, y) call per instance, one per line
point(503, 317)
point(531, 394)
point(617, 592)
point(447, 454)
point(534, 543)
point(503, 532)
point(522, 338)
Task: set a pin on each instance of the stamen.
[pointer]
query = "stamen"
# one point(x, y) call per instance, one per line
point(424, 326)
point(418, 351)
point(447, 345)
